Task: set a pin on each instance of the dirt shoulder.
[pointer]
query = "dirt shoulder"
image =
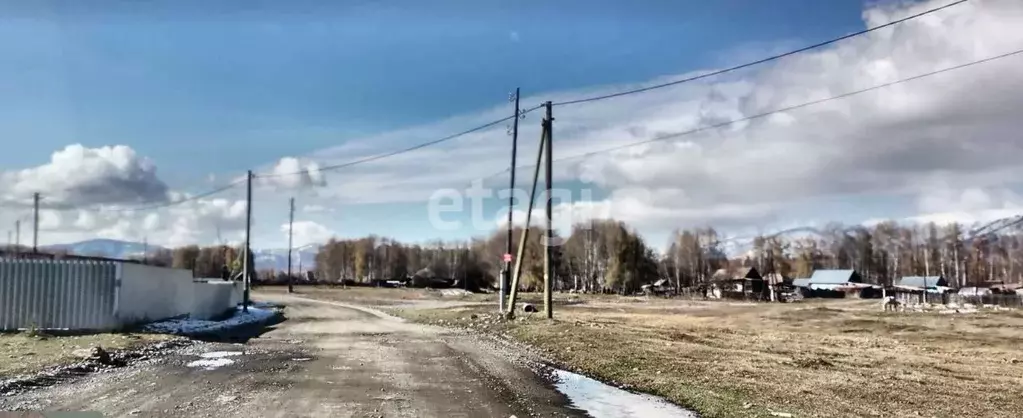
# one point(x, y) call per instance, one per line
point(821, 358)
point(25, 354)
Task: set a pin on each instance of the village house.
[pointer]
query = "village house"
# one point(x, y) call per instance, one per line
point(839, 283)
point(912, 289)
point(742, 282)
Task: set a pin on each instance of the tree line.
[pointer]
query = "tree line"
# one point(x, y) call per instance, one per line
point(609, 256)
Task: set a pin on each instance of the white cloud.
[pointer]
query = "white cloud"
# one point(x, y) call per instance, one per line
point(308, 232)
point(956, 131)
point(959, 128)
point(969, 206)
point(316, 209)
point(77, 175)
point(292, 173)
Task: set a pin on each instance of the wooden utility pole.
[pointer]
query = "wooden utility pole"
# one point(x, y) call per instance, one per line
point(248, 232)
point(511, 202)
point(548, 265)
point(35, 223)
point(517, 274)
point(291, 222)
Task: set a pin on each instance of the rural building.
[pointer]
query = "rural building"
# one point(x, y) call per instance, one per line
point(922, 282)
point(839, 284)
point(823, 279)
point(742, 282)
point(805, 282)
point(913, 289)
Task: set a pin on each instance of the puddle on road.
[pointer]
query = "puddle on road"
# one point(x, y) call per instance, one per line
point(605, 401)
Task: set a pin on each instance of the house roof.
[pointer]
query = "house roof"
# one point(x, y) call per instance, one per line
point(801, 282)
point(746, 273)
point(832, 276)
point(922, 281)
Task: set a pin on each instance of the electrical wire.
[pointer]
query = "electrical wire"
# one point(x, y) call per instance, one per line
point(772, 112)
point(405, 150)
point(760, 61)
point(608, 96)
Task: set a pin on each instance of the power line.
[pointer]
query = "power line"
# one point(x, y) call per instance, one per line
point(760, 61)
point(608, 96)
point(772, 112)
point(178, 201)
point(151, 206)
point(405, 150)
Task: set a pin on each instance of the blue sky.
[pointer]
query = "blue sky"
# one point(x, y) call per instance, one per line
point(206, 90)
point(255, 83)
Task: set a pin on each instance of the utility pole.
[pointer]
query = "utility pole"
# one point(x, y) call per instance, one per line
point(17, 236)
point(517, 274)
point(548, 266)
point(145, 250)
point(511, 203)
point(291, 222)
point(247, 251)
point(35, 223)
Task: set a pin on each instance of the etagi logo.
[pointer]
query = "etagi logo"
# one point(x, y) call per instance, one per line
point(453, 201)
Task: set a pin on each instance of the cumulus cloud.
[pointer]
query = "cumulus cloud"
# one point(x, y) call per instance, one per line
point(308, 232)
point(957, 131)
point(957, 128)
point(968, 206)
point(292, 173)
point(953, 127)
point(77, 175)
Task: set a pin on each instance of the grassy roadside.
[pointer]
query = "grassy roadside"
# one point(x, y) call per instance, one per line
point(23, 353)
point(826, 359)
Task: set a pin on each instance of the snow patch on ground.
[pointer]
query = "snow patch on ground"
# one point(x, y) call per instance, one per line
point(211, 364)
point(192, 326)
point(220, 354)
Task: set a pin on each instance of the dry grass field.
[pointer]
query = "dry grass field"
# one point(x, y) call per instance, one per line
point(823, 358)
point(23, 353)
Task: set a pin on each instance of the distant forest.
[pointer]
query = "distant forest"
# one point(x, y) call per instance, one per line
point(608, 255)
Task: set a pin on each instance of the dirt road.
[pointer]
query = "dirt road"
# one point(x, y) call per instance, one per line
point(326, 360)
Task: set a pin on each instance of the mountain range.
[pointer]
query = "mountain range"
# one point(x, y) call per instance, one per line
point(303, 258)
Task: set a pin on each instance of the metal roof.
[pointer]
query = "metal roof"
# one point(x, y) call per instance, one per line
point(801, 282)
point(832, 276)
point(922, 281)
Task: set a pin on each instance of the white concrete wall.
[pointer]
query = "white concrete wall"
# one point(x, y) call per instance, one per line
point(213, 298)
point(150, 293)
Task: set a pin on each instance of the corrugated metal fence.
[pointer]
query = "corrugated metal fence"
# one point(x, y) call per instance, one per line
point(57, 294)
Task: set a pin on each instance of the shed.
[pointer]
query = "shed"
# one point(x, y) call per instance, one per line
point(923, 281)
point(801, 282)
point(835, 277)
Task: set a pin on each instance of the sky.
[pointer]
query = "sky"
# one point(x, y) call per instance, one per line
point(115, 105)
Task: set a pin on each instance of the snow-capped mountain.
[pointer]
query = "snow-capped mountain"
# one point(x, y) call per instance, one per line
point(303, 258)
point(106, 248)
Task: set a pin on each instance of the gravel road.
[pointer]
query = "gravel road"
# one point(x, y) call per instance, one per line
point(326, 360)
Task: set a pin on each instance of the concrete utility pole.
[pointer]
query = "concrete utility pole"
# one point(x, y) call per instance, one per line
point(517, 274)
point(511, 203)
point(17, 236)
point(248, 232)
point(548, 265)
point(35, 223)
point(291, 222)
